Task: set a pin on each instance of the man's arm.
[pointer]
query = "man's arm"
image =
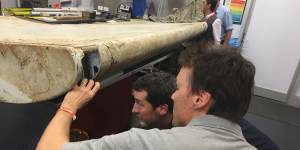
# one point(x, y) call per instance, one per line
point(227, 38)
point(57, 132)
point(228, 27)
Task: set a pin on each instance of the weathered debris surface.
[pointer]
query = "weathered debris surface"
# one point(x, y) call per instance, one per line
point(41, 61)
point(191, 12)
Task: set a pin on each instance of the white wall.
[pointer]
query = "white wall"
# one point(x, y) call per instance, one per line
point(294, 91)
point(272, 42)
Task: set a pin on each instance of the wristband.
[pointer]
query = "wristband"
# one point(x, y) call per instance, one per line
point(69, 111)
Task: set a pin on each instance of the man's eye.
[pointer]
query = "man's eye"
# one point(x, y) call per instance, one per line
point(139, 103)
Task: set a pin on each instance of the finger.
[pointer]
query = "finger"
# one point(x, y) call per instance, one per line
point(90, 84)
point(96, 87)
point(84, 82)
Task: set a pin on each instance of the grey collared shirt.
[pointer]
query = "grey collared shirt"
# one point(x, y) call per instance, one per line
point(202, 133)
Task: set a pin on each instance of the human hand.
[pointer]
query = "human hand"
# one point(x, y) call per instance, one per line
point(80, 95)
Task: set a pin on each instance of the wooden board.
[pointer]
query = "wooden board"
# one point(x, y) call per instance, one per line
point(41, 61)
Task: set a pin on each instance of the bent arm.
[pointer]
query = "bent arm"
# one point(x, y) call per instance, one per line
point(57, 132)
point(228, 27)
point(227, 38)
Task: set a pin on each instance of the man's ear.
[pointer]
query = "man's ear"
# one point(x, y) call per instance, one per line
point(162, 109)
point(201, 99)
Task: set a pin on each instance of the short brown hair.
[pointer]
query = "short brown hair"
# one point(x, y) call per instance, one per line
point(226, 75)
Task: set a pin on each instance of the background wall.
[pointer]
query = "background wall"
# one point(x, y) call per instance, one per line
point(8, 3)
point(294, 90)
point(272, 43)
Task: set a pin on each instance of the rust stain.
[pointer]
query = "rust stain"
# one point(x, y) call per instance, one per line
point(42, 66)
point(41, 60)
point(39, 56)
point(24, 62)
point(3, 51)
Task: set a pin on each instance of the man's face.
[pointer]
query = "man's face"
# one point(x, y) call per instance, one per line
point(147, 115)
point(182, 97)
point(205, 6)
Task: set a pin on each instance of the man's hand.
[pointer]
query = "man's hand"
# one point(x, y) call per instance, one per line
point(57, 132)
point(80, 95)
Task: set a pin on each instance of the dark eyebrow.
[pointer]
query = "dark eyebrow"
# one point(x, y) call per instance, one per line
point(136, 99)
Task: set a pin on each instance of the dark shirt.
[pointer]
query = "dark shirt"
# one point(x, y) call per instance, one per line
point(210, 21)
point(255, 137)
point(208, 35)
point(23, 124)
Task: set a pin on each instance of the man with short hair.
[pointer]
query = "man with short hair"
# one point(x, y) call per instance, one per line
point(153, 104)
point(225, 16)
point(213, 94)
point(214, 24)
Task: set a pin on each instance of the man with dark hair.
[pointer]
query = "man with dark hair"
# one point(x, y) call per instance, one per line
point(213, 93)
point(220, 83)
point(214, 24)
point(153, 107)
point(153, 104)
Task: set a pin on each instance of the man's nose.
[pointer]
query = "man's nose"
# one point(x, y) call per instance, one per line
point(135, 108)
point(172, 96)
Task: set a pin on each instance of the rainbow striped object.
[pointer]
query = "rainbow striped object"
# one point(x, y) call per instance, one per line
point(237, 8)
